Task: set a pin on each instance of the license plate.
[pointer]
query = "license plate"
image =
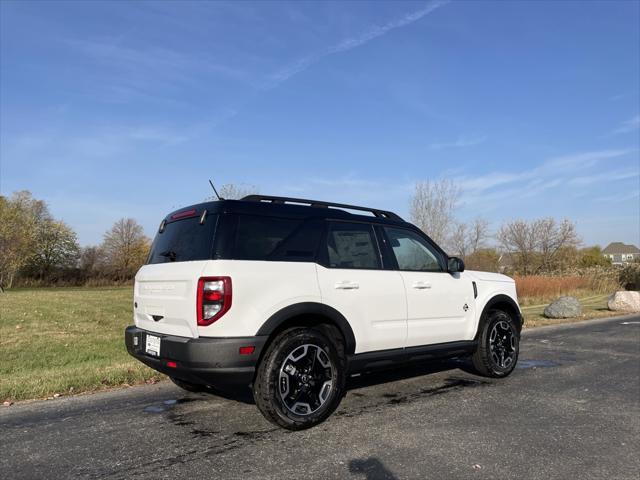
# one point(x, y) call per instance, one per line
point(153, 345)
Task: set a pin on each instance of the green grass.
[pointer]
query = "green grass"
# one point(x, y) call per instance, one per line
point(71, 340)
point(593, 306)
point(65, 340)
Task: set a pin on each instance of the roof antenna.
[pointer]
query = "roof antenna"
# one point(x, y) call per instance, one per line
point(215, 191)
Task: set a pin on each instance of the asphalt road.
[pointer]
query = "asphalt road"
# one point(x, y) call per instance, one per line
point(570, 411)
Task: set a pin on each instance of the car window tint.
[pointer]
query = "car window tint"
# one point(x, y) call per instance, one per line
point(352, 245)
point(183, 241)
point(412, 252)
point(257, 238)
point(301, 245)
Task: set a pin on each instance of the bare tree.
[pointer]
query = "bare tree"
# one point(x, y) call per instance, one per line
point(231, 191)
point(432, 207)
point(467, 239)
point(534, 245)
point(125, 248)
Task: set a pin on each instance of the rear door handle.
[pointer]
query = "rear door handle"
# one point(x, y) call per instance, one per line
point(421, 285)
point(346, 285)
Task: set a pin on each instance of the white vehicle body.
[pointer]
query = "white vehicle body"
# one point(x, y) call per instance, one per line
point(235, 291)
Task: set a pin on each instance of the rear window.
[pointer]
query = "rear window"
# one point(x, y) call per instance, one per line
point(184, 241)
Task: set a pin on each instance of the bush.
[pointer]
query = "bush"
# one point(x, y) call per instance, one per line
point(629, 277)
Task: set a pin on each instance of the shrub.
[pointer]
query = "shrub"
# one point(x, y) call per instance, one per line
point(629, 277)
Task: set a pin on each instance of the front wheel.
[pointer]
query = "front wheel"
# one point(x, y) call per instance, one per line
point(498, 346)
point(300, 380)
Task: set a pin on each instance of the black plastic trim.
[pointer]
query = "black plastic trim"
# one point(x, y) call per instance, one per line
point(310, 308)
point(398, 356)
point(206, 361)
point(503, 299)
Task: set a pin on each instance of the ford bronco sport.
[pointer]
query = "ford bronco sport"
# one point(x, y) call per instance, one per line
point(290, 296)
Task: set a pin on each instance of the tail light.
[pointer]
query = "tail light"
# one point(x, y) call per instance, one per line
point(214, 299)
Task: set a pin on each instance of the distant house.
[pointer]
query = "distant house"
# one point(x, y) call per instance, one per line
point(621, 254)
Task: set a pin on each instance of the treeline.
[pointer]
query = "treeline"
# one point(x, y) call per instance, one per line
point(37, 249)
point(522, 247)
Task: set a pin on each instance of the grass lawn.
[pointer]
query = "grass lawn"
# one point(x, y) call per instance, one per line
point(65, 340)
point(71, 340)
point(593, 306)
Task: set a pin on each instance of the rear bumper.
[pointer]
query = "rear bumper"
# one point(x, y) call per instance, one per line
point(205, 361)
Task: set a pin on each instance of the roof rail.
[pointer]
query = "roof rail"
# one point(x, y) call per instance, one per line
point(316, 203)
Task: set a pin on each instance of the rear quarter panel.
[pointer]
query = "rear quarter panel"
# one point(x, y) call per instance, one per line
point(260, 289)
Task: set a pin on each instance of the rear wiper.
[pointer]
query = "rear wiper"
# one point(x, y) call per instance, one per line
point(170, 254)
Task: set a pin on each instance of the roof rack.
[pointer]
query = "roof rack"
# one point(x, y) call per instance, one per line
point(316, 203)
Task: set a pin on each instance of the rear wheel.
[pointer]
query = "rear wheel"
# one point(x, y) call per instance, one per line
point(300, 380)
point(498, 346)
point(189, 387)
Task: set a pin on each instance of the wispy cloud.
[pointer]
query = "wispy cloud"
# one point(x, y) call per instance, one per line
point(353, 42)
point(565, 170)
point(460, 142)
point(628, 126)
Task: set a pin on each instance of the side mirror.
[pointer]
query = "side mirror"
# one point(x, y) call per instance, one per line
point(455, 264)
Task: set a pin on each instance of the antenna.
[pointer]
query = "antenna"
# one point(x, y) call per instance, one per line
point(214, 190)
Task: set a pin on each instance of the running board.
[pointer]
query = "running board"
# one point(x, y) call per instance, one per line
point(389, 358)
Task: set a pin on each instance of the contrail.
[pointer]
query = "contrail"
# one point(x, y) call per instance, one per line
point(354, 42)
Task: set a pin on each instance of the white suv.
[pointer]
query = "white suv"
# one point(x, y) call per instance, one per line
point(290, 296)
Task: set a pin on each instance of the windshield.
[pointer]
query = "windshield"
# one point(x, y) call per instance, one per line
point(184, 240)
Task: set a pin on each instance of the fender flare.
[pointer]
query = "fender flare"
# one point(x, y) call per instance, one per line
point(502, 298)
point(314, 309)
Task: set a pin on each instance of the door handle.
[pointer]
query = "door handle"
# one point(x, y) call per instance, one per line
point(346, 285)
point(421, 285)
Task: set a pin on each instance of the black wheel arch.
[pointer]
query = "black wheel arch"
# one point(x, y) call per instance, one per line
point(310, 313)
point(507, 305)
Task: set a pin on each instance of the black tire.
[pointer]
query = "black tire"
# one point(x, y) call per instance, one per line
point(282, 379)
point(189, 387)
point(497, 357)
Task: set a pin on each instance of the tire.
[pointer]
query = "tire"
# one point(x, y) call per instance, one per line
point(300, 380)
point(189, 387)
point(498, 346)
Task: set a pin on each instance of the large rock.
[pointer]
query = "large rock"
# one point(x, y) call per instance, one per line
point(624, 302)
point(564, 307)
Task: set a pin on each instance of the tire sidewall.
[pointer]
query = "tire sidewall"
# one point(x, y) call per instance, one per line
point(274, 362)
point(494, 317)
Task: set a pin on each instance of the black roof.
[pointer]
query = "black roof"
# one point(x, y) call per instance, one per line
point(296, 207)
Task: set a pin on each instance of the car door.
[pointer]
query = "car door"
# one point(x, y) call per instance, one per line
point(354, 281)
point(440, 305)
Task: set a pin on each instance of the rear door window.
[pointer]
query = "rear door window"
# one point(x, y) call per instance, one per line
point(352, 245)
point(184, 240)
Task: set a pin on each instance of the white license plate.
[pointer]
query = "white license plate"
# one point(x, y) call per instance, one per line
point(153, 345)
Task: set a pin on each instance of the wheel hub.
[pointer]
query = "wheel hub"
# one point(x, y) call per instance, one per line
point(306, 379)
point(503, 344)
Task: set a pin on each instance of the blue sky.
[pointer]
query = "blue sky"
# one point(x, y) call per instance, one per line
point(125, 109)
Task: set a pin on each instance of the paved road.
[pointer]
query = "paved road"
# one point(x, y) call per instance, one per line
point(571, 410)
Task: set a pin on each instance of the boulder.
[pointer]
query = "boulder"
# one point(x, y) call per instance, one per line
point(624, 302)
point(564, 307)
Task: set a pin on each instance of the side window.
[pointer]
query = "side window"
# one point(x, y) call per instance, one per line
point(352, 245)
point(412, 252)
point(257, 238)
point(301, 245)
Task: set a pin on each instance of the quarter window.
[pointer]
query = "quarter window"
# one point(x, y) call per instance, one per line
point(412, 252)
point(352, 245)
